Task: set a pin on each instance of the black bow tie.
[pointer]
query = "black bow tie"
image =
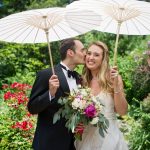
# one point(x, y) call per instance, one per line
point(70, 73)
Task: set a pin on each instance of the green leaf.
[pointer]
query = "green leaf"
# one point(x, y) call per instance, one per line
point(57, 115)
point(56, 118)
point(101, 132)
point(60, 101)
point(107, 123)
point(65, 100)
point(78, 137)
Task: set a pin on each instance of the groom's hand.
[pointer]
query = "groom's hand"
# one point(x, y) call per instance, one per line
point(53, 84)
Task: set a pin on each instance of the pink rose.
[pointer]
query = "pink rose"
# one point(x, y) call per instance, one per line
point(90, 111)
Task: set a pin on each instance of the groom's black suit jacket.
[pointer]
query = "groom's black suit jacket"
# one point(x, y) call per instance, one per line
point(49, 136)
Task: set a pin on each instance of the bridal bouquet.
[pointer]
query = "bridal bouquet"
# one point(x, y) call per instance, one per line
point(81, 107)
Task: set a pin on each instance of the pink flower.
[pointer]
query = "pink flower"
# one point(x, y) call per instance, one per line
point(79, 96)
point(5, 86)
point(90, 111)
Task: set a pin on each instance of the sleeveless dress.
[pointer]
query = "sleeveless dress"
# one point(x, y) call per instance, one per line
point(113, 140)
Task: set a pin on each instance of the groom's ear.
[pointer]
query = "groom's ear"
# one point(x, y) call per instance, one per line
point(70, 53)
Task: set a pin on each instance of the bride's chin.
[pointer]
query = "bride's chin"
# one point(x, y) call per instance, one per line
point(89, 65)
point(91, 68)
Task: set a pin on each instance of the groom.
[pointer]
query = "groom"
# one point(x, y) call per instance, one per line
point(45, 93)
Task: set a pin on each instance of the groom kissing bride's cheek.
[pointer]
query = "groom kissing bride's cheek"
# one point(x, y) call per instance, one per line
point(68, 112)
point(48, 88)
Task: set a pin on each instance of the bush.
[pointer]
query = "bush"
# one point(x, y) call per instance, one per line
point(139, 125)
point(146, 104)
point(141, 78)
point(17, 125)
point(135, 71)
point(17, 58)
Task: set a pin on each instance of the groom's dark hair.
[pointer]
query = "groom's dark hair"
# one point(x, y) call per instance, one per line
point(65, 45)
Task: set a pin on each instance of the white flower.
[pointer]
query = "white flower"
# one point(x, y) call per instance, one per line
point(72, 93)
point(94, 99)
point(82, 104)
point(76, 103)
point(84, 92)
point(94, 120)
point(79, 86)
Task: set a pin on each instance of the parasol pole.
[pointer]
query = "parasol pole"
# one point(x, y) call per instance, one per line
point(49, 50)
point(46, 29)
point(116, 44)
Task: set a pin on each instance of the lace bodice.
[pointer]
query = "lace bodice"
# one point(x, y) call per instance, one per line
point(106, 99)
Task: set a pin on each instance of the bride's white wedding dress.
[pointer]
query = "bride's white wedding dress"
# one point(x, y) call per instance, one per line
point(113, 140)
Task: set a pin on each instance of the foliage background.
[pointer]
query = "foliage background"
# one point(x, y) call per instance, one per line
point(19, 63)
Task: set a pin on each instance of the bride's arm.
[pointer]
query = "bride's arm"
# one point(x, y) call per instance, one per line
point(121, 105)
point(120, 101)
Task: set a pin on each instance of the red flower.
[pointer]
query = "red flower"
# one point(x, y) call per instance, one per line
point(20, 86)
point(79, 131)
point(5, 86)
point(29, 115)
point(23, 125)
point(8, 95)
point(14, 85)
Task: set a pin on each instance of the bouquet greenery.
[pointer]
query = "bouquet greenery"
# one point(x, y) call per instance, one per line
point(81, 107)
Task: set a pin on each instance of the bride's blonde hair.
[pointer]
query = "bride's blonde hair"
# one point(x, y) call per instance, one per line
point(104, 70)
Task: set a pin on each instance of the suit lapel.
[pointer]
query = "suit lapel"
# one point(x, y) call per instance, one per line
point(62, 79)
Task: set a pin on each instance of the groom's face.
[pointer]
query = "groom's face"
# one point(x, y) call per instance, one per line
point(79, 53)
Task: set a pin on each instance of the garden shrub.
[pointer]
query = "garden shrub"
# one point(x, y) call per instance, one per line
point(138, 122)
point(17, 58)
point(141, 78)
point(135, 71)
point(17, 124)
point(146, 104)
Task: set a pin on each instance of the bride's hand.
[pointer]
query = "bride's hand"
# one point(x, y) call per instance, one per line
point(116, 79)
point(114, 74)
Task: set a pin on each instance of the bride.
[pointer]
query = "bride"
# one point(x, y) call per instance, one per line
point(107, 87)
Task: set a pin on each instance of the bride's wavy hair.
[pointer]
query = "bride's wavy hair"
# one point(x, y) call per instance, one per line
point(104, 70)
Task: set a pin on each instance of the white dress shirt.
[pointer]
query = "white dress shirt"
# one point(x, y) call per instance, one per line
point(71, 81)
